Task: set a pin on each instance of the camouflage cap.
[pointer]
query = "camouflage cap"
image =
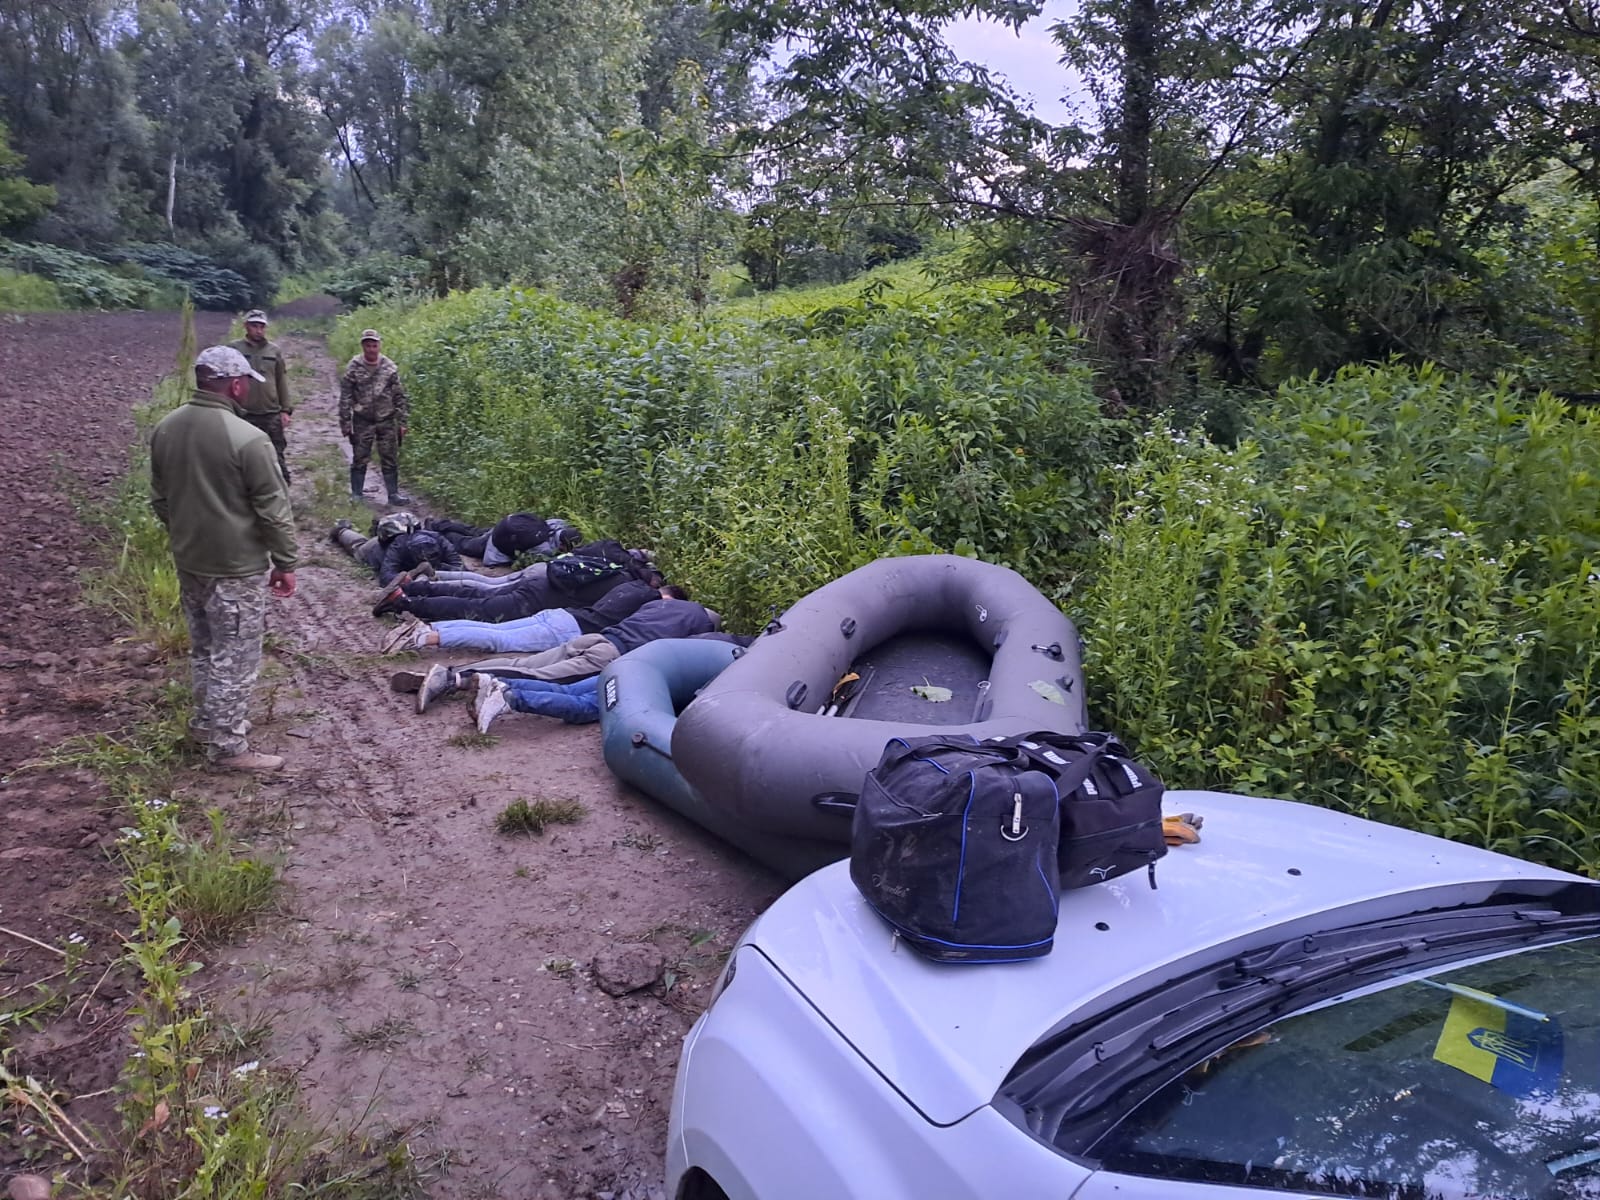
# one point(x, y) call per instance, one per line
point(255, 317)
point(224, 362)
point(370, 335)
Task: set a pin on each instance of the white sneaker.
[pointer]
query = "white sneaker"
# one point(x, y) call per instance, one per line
point(419, 635)
point(439, 681)
point(490, 702)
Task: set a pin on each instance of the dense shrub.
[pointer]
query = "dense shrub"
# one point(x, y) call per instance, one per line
point(1388, 602)
point(83, 281)
point(210, 285)
point(362, 281)
point(21, 292)
point(761, 459)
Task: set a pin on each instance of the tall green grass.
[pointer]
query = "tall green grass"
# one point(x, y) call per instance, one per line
point(1387, 601)
point(763, 457)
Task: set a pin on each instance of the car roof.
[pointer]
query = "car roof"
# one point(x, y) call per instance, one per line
point(945, 1036)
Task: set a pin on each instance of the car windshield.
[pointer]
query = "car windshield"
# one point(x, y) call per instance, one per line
point(1480, 1080)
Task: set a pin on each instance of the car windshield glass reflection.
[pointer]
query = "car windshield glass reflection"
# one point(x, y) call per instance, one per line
point(1481, 1081)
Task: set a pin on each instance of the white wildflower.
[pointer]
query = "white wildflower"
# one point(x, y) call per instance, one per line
point(245, 1068)
point(1299, 487)
point(77, 939)
point(1403, 524)
point(215, 1111)
point(156, 804)
point(1436, 554)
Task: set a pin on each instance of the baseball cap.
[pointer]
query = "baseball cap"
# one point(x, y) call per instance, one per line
point(224, 362)
point(370, 335)
point(255, 314)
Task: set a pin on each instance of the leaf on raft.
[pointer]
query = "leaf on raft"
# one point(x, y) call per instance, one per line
point(929, 692)
point(1049, 691)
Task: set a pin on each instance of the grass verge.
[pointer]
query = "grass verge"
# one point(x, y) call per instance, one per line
point(196, 1117)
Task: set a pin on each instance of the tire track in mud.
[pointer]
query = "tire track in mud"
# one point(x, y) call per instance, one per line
point(428, 974)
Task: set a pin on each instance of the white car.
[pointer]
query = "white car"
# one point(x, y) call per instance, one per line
point(1309, 1003)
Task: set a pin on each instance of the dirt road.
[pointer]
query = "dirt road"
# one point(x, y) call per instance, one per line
point(425, 973)
point(430, 968)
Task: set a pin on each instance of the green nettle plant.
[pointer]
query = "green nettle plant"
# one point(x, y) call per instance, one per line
point(761, 458)
point(1388, 602)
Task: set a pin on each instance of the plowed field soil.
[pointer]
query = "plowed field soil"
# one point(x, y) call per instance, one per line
point(423, 973)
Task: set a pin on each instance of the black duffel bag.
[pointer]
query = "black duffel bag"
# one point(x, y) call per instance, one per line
point(963, 846)
point(953, 842)
point(1110, 813)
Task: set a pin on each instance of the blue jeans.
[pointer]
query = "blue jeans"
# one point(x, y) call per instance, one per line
point(525, 635)
point(575, 703)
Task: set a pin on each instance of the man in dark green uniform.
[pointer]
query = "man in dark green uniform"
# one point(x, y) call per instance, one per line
point(215, 485)
point(268, 406)
point(373, 411)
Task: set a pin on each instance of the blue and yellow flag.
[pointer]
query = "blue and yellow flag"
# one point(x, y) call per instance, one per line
point(1507, 1046)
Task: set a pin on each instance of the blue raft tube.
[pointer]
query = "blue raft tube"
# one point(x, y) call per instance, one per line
point(640, 696)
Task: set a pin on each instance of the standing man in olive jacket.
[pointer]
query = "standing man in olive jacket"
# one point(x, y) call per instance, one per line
point(268, 406)
point(373, 411)
point(215, 484)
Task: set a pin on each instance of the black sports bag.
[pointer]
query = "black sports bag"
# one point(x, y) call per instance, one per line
point(1110, 812)
point(953, 842)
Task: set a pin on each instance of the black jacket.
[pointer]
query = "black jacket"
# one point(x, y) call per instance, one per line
point(617, 605)
point(660, 619)
point(415, 548)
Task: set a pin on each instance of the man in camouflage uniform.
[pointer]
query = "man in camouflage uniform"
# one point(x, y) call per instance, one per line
point(268, 406)
point(373, 410)
point(215, 484)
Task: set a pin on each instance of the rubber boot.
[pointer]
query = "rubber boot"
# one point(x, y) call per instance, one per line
point(348, 539)
point(391, 480)
point(358, 482)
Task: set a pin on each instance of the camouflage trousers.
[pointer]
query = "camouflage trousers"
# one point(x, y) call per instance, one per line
point(271, 424)
point(365, 435)
point(226, 620)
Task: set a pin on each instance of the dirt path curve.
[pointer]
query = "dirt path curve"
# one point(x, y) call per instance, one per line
point(430, 972)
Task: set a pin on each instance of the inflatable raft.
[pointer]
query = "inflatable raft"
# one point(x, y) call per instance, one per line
point(640, 696)
point(938, 644)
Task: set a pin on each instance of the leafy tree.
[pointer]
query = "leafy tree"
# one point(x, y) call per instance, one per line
point(20, 201)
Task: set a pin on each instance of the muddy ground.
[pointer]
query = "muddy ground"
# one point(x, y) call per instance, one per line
point(424, 973)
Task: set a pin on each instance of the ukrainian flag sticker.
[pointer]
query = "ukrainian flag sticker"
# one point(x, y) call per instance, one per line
point(1508, 1047)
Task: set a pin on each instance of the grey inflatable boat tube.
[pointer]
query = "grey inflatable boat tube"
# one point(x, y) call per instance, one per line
point(757, 745)
point(640, 695)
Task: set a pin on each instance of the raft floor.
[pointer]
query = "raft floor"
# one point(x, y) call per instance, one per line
point(946, 660)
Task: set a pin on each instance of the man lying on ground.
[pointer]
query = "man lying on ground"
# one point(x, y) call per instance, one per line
point(399, 546)
point(571, 580)
point(578, 658)
point(576, 703)
point(512, 535)
point(529, 635)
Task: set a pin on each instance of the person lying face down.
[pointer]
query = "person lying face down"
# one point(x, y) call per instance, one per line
point(513, 535)
point(580, 657)
point(529, 635)
point(396, 548)
point(577, 580)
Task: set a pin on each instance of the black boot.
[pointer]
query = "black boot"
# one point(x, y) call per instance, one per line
point(391, 480)
point(358, 481)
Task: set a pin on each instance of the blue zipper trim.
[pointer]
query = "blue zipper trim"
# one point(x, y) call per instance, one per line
point(961, 865)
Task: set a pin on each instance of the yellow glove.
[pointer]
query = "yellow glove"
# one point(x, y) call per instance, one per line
point(1182, 830)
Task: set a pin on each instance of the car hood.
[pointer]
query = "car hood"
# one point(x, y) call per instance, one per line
point(945, 1036)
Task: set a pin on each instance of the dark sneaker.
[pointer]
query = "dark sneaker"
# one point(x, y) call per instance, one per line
point(391, 599)
point(406, 681)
